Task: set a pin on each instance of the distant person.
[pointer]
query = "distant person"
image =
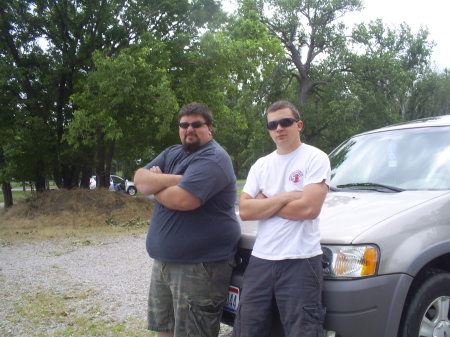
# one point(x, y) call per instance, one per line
point(285, 191)
point(117, 186)
point(194, 230)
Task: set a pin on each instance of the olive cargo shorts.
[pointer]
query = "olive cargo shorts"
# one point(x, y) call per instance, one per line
point(187, 298)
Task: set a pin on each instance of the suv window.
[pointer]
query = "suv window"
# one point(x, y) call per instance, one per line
point(411, 159)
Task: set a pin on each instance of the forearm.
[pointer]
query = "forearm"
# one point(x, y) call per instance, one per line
point(298, 210)
point(148, 182)
point(263, 208)
point(309, 206)
point(178, 199)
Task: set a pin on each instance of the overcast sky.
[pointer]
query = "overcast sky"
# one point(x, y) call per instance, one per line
point(431, 14)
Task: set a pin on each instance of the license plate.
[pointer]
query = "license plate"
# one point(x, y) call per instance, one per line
point(232, 299)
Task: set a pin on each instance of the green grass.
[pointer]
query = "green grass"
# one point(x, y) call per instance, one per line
point(47, 313)
point(18, 184)
point(240, 188)
point(17, 195)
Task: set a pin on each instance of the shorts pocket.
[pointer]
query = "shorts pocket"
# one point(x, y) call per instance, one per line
point(312, 324)
point(204, 317)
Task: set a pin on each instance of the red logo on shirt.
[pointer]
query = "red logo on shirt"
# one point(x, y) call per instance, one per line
point(296, 177)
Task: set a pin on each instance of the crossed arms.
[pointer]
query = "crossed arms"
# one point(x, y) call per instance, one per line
point(165, 188)
point(289, 205)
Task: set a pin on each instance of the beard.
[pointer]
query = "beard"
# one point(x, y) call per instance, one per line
point(192, 146)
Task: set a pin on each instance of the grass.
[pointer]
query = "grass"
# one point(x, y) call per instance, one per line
point(240, 187)
point(64, 213)
point(20, 194)
point(17, 195)
point(15, 184)
point(55, 314)
point(83, 216)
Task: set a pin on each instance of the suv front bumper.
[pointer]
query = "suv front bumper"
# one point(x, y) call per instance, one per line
point(370, 307)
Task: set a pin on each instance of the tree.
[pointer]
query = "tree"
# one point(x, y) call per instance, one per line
point(430, 95)
point(310, 32)
point(227, 68)
point(391, 61)
point(126, 99)
point(342, 84)
point(307, 30)
point(51, 45)
point(6, 131)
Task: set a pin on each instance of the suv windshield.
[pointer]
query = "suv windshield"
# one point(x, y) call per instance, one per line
point(410, 159)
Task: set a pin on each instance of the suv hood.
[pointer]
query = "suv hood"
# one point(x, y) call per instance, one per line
point(345, 215)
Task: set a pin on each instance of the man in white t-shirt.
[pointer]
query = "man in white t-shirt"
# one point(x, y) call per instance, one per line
point(285, 191)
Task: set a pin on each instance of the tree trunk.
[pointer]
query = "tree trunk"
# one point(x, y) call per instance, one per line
point(6, 185)
point(102, 175)
point(40, 183)
point(76, 170)
point(7, 195)
point(86, 174)
point(58, 179)
point(109, 156)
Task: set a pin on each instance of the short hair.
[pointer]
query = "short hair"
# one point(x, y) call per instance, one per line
point(197, 109)
point(282, 105)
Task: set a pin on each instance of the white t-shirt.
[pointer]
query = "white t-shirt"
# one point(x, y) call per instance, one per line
point(279, 238)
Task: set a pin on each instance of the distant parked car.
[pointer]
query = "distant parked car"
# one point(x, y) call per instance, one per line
point(116, 184)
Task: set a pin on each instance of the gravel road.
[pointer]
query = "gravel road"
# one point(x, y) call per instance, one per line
point(112, 272)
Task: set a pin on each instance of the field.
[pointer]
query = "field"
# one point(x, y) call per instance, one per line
point(69, 222)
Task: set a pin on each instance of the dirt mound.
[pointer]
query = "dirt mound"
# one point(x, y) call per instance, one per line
point(65, 212)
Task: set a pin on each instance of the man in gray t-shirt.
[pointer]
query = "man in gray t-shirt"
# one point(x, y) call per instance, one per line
point(194, 230)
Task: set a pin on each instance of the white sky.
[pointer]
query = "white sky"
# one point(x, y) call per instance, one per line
point(431, 14)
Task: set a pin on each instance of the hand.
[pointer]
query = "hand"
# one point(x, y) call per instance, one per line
point(155, 169)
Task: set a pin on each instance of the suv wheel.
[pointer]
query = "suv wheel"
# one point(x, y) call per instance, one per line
point(427, 308)
point(132, 190)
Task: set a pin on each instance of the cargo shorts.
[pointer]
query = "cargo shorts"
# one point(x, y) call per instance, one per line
point(187, 298)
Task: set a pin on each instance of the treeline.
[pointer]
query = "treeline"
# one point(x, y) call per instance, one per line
point(90, 85)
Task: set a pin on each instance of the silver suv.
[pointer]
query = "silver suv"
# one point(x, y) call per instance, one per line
point(385, 235)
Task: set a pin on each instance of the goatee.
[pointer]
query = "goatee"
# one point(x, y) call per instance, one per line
point(191, 147)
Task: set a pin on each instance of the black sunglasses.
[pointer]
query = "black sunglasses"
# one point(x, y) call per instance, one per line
point(195, 125)
point(285, 122)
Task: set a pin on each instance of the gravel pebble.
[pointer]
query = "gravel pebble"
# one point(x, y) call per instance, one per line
point(114, 271)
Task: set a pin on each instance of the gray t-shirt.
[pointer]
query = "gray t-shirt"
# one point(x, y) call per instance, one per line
point(208, 233)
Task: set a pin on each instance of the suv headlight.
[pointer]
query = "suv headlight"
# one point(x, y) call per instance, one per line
point(350, 261)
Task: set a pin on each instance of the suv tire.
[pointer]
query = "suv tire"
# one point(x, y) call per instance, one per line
point(427, 308)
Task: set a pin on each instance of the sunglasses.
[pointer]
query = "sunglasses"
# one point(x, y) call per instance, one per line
point(285, 122)
point(195, 125)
